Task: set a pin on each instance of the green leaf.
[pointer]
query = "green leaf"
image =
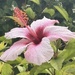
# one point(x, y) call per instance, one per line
point(62, 73)
point(57, 72)
point(11, 17)
point(2, 45)
point(30, 13)
point(49, 11)
point(38, 69)
point(21, 68)
point(56, 63)
point(36, 2)
point(24, 73)
point(17, 61)
point(23, 62)
point(69, 68)
point(7, 70)
point(64, 55)
point(69, 50)
point(2, 38)
point(1, 65)
point(63, 12)
point(33, 70)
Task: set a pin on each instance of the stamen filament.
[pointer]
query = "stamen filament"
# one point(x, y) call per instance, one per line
point(32, 33)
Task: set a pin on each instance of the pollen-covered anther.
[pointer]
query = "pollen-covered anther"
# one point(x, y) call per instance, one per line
point(21, 17)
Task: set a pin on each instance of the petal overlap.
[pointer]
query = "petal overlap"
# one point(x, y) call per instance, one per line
point(40, 53)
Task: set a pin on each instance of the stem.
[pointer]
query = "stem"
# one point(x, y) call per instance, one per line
point(48, 71)
point(54, 71)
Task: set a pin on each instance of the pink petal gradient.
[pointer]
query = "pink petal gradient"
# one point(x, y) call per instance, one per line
point(17, 32)
point(16, 49)
point(37, 41)
point(39, 53)
point(42, 23)
point(56, 32)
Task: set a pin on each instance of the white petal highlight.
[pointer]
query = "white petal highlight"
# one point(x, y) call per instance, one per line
point(17, 32)
point(39, 53)
point(56, 32)
point(42, 23)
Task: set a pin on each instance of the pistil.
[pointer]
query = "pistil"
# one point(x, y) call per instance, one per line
point(17, 13)
point(33, 33)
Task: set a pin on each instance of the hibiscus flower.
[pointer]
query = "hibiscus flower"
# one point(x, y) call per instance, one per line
point(35, 42)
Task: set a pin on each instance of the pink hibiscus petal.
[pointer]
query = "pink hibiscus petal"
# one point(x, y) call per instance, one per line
point(55, 32)
point(42, 23)
point(17, 32)
point(39, 53)
point(16, 49)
